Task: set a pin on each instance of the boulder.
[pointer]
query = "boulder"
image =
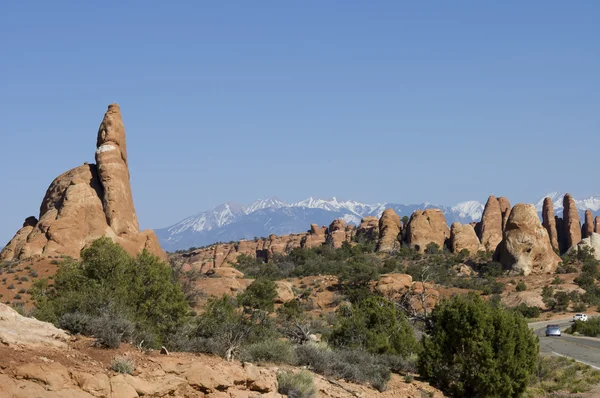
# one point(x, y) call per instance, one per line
point(389, 230)
point(571, 223)
point(86, 203)
point(588, 226)
point(549, 222)
point(390, 285)
point(491, 224)
point(285, 292)
point(591, 242)
point(19, 331)
point(463, 237)
point(525, 246)
point(425, 227)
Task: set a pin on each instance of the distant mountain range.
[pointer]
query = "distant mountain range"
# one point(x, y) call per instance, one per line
point(232, 221)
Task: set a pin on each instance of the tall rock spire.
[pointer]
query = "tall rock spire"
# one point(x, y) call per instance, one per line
point(111, 160)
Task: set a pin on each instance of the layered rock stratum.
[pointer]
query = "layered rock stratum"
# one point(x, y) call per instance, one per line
point(86, 203)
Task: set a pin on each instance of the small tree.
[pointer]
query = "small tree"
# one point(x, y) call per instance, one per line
point(475, 349)
point(260, 295)
point(521, 286)
point(374, 325)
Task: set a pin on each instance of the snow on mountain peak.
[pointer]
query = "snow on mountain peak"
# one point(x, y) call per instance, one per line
point(471, 209)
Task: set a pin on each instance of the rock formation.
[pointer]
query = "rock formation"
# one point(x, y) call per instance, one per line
point(591, 242)
point(86, 203)
point(588, 226)
point(463, 237)
point(571, 223)
point(597, 225)
point(336, 233)
point(491, 224)
point(425, 227)
point(315, 237)
point(525, 246)
point(549, 222)
point(389, 230)
point(504, 210)
point(560, 233)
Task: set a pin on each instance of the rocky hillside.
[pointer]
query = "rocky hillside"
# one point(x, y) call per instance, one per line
point(232, 222)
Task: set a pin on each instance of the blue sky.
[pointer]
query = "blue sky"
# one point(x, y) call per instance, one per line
point(234, 101)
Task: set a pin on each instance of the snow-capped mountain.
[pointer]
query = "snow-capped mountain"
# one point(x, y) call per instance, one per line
point(231, 221)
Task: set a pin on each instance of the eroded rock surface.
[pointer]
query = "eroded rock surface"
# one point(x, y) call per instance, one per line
point(526, 246)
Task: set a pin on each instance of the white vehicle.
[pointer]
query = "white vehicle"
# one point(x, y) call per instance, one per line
point(580, 317)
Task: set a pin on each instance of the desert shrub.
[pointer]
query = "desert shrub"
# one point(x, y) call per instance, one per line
point(296, 385)
point(74, 322)
point(11, 286)
point(521, 286)
point(260, 295)
point(432, 248)
point(531, 312)
point(223, 330)
point(353, 365)
point(579, 307)
point(18, 296)
point(562, 300)
point(272, 351)
point(375, 325)
point(108, 281)
point(33, 273)
point(122, 364)
point(590, 328)
point(110, 329)
point(492, 270)
point(473, 348)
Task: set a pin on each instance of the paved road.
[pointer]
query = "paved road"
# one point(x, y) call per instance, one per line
point(583, 349)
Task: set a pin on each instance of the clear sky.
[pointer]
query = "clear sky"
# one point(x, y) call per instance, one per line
point(399, 101)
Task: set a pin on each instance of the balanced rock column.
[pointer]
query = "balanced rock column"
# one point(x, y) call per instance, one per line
point(525, 246)
point(571, 222)
point(491, 224)
point(588, 225)
point(390, 227)
point(111, 161)
point(549, 222)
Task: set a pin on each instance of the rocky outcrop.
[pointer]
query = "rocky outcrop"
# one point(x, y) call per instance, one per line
point(315, 237)
point(588, 225)
point(597, 225)
point(591, 242)
point(525, 247)
point(86, 203)
point(19, 332)
point(336, 233)
point(572, 225)
point(504, 210)
point(425, 227)
point(390, 227)
point(549, 222)
point(490, 233)
point(463, 237)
